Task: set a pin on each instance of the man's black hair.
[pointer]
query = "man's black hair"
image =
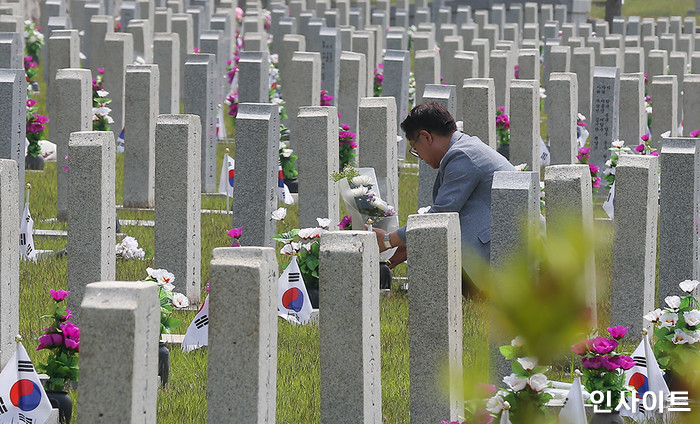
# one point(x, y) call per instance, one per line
point(430, 116)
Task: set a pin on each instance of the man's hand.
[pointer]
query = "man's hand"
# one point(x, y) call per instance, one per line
point(399, 257)
point(380, 237)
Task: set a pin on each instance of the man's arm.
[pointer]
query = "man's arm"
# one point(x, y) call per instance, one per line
point(460, 178)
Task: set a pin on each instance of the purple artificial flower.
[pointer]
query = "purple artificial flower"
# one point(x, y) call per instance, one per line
point(581, 123)
point(593, 363)
point(40, 118)
point(48, 340)
point(584, 150)
point(502, 108)
point(645, 137)
point(695, 133)
point(654, 153)
point(59, 295)
point(640, 148)
point(101, 70)
point(610, 364)
point(596, 183)
point(625, 362)
point(604, 345)
point(70, 330)
point(236, 232)
point(345, 222)
point(594, 168)
point(68, 315)
point(31, 102)
point(345, 127)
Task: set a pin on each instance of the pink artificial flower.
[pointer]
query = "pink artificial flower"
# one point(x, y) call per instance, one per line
point(604, 345)
point(645, 137)
point(695, 133)
point(48, 340)
point(584, 150)
point(610, 364)
point(581, 123)
point(345, 222)
point(640, 148)
point(28, 58)
point(58, 295)
point(594, 168)
point(196, 50)
point(596, 183)
point(625, 362)
point(101, 70)
point(207, 288)
point(68, 315)
point(502, 108)
point(31, 102)
point(654, 153)
point(345, 127)
point(485, 389)
point(617, 332)
point(70, 330)
point(239, 13)
point(236, 232)
point(593, 363)
point(581, 347)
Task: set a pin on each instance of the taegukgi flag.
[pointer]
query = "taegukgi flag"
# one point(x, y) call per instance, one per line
point(197, 334)
point(26, 238)
point(22, 398)
point(226, 176)
point(282, 190)
point(220, 127)
point(644, 376)
point(294, 304)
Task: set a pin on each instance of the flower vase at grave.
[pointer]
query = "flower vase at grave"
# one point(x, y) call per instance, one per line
point(163, 363)
point(612, 417)
point(504, 150)
point(60, 400)
point(35, 163)
point(292, 184)
point(313, 296)
point(384, 276)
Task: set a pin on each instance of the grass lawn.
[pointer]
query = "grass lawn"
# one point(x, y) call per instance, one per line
point(649, 8)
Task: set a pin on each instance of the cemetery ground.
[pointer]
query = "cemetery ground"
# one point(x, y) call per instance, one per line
point(298, 375)
point(647, 8)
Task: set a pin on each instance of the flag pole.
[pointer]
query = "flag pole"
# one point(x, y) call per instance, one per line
point(228, 182)
point(29, 186)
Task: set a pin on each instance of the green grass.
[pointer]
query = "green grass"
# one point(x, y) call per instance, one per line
point(649, 8)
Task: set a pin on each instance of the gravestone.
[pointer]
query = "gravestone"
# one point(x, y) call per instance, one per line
point(691, 103)
point(352, 87)
point(529, 64)
point(435, 328)
point(466, 66)
point(163, 20)
point(253, 82)
point(353, 355)
point(479, 110)
point(634, 241)
point(243, 344)
point(182, 25)
point(678, 242)
point(481, 47)
point(330, 61)
point(376, 135)
point(291, 43)
point(569, 201)
point(502, 72)
point(132, 310)
point(140, 30)
point(525, 123)
point(448, 49)
point(213, 42)
point(100, 26)
point(561, 123)
point(610, 58)
point(531, 31)
point(634, 60)
point(121, 48)
point(678, 66)
point(633, 116)
point(664, 93)
point(397, 68)
point(72, 95)
point(657, 64)
point(427, 71)
point(11, 53)
point(303, 88)
point(604, 124)
point(9, 262)
point(446, 95)
point(140, 114)
point(64, 50)
point(166, 54)
point(129, 10)
point(91, 210)
point(13, 117)
point(469, 32)
point(257, 160)
point(396, 39)
point(317, 144)
point(200, 99)
point(177, 158)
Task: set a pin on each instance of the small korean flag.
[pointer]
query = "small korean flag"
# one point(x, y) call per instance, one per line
point(197, 334)
point(22, 398)
point(294, 304)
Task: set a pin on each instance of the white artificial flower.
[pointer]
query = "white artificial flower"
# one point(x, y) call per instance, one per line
point(104, 110)
point(460, 126)
point(666, 134)
point(649, 110)
point(359, 191)
point(692, 318)
point(161, 276)
point(668, 319)
point(618, 143)
point(517, 341)
point(309, 233)
point(380, 204)
point(423, 210)
point(110, 120)
point(681, 337)
point(689, 285)
point(495, 404)
point(538, 382)
point(608, 163)
point(514, 382)
point(102, 93)
point(168, 287)
point(521, 167)
point(543, 93)
point(180, 300)
point(286, 249)
point(279, 214)
point(528, 363)
point(274, 58)
point(609, 171)
point(307, 246)
point(361, 180)
point(673, 302)
point(654, 315)
point(581, 117)
point(287, 152)
point(323, 222)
